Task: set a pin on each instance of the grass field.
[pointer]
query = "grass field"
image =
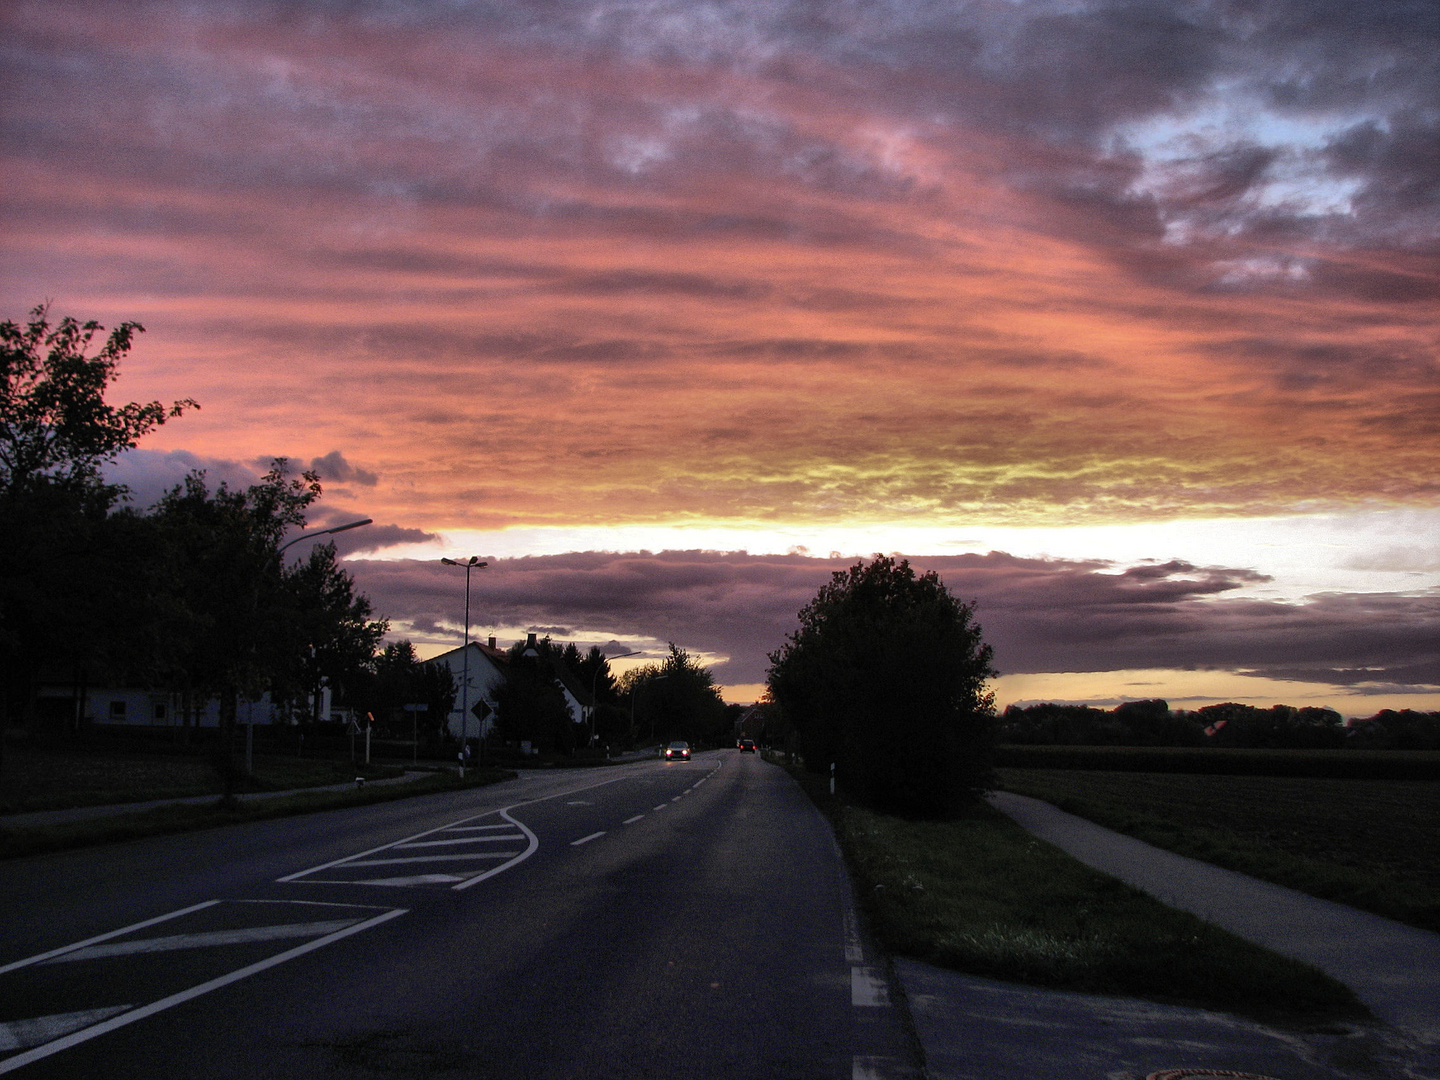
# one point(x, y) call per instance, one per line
point(980, 895)
point(49, 779)
point(1373, 844)
point(186, 817)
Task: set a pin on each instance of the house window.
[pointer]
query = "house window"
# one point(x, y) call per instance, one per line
point(117, 711)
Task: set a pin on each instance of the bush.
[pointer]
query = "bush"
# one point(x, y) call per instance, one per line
point(886, 679)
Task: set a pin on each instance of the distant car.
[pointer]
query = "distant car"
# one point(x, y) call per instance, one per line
point(747, 746)
point(677, 751)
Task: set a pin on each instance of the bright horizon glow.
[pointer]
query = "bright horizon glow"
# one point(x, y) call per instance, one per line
point(1367, 550)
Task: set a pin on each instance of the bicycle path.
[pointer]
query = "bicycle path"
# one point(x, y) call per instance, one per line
point(1393, 968)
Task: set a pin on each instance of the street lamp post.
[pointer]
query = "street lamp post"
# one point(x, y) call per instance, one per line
point(324, 532)
point(469, 564)
point(595, 681)
point(250, 706)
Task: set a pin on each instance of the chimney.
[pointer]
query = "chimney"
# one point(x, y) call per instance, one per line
point(530, 641)
point(492, 641)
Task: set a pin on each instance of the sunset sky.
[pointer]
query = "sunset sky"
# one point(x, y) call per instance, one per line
point(1123, 316)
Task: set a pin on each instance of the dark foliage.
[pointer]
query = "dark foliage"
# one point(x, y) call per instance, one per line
point(886, 679)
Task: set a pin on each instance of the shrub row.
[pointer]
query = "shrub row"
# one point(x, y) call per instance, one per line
point(1338, 764)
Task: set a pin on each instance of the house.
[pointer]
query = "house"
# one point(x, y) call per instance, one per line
point(484, 666)
point(66, 704)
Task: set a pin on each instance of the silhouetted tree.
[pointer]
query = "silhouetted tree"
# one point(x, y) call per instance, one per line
point(886, 678)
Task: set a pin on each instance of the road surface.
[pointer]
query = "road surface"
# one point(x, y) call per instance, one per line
point(651, 920)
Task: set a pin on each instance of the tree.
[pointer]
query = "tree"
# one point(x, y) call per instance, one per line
point(54, 423)
point(332, 636)
point(677, 698)
point(64, 565)
point(530, 706)
point(232, 612)
point(886, 679)
point(396, 678)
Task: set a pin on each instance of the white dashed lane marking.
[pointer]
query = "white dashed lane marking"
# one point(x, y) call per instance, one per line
point(867, 988)
point(632, 820)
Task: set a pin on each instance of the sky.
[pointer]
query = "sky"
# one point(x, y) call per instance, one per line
point(1120, 316)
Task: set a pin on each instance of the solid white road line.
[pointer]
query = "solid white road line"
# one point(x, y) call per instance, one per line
point(23, 1034)
point(39, 957)
point(531, 848)
point(476, 828)
point(204, 940)
point(397, 882)
point(867, 987)
point(105, 1026)
point(586, 839)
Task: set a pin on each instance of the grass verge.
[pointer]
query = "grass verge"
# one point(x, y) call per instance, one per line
point(1372, 844)
point(51, 780)
point(980, 895)
point(186, 817)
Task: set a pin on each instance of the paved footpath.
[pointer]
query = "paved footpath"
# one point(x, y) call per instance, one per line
point(1393, 968)
point(979, 1029)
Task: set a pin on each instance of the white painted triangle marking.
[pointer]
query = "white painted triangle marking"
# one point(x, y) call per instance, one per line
point(459, 840)
point(23, 1034)
point(204, 940)
point(467, 855)
point(418, 879)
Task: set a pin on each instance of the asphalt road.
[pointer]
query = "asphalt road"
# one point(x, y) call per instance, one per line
point(651, 920)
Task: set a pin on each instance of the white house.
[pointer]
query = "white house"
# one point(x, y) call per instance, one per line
point(484, 665)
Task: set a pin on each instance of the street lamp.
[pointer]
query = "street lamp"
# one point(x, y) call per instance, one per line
point(595, 681)
point(325, 532)
point(469, 564)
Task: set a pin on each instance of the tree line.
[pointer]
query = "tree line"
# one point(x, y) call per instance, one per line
point(1227, 724)
point(191, 594)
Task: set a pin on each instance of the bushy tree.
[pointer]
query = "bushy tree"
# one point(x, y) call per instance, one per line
point(71, 576)
point(886, 678)
point(398, 677)
point(332, 635)
point(676, 699)
point(530, 706)
point(55, 425)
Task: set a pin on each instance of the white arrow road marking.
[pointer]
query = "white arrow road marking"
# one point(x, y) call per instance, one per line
point(23, 1034)
point(867, 987)
point(119, 1021)
point(204, 940)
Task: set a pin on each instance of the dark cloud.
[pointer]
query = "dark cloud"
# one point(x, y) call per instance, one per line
point(333, 466)
point(149, 474)
point(1041, 615)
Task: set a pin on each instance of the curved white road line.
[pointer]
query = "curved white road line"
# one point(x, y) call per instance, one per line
point(533, 847)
